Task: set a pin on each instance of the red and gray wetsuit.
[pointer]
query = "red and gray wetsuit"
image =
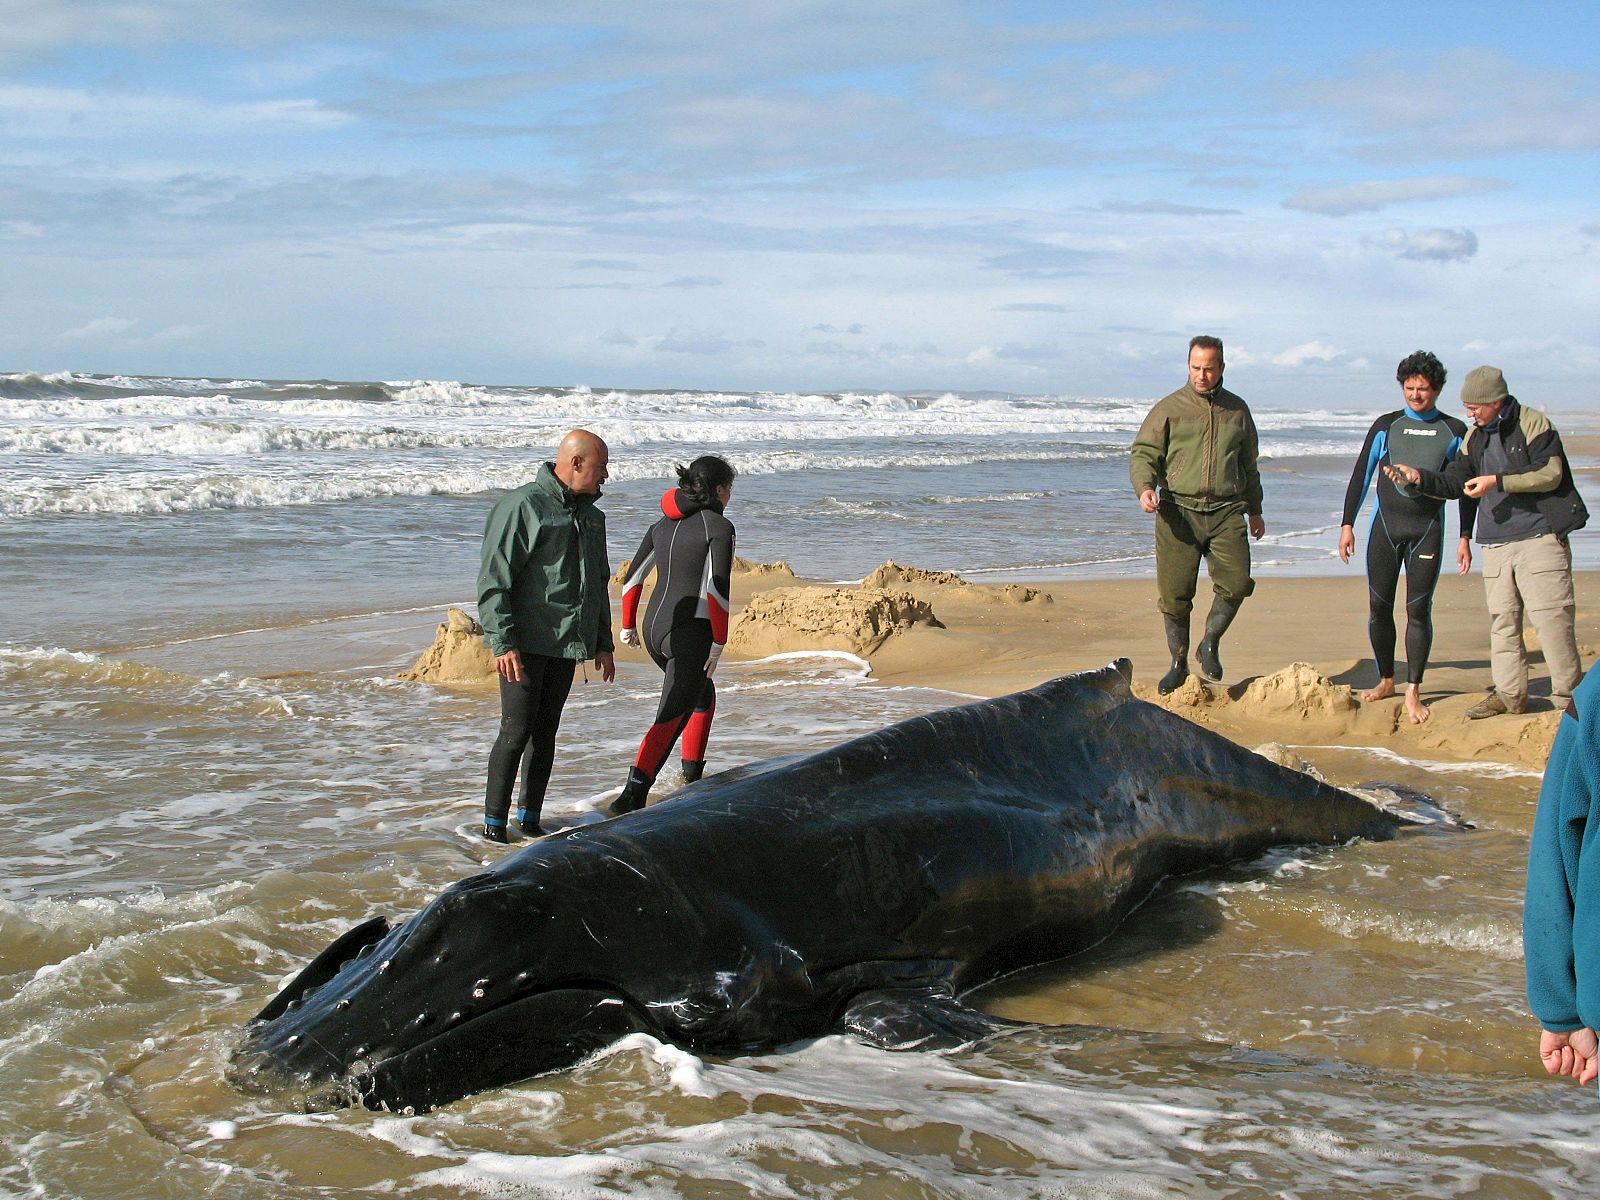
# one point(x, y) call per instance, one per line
point(691, 551)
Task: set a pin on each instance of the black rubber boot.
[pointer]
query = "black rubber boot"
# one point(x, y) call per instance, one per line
point(692, 770)
point(1178, 643)
point(634, 793)
point(495, 830)
point(1218, 619)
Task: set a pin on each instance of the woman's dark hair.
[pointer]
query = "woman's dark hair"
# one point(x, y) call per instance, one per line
point(700, 479)
point(1422, 363)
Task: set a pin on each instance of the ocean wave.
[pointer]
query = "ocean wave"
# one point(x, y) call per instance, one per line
point(1479, 934)
point(58, 939)
point(62, 394)
point(226, 439)
point(53, 663)
point(142, 495)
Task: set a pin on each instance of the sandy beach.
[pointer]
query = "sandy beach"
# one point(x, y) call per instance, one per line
point(1296, 660)
point(989, 648)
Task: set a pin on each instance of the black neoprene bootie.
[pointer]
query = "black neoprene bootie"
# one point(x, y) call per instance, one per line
point(692, 770)
point(528, 824)
point(634, 793)
point(495, 831)
point(1218, 619)
point(1178, 643)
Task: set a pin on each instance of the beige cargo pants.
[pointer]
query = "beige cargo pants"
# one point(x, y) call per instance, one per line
point(1531, 578)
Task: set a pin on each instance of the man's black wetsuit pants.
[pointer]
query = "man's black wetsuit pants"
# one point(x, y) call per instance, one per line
point(530, 714)
point(1420, 554)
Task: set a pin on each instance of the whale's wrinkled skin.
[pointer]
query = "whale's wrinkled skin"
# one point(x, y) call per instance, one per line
point(862, 888)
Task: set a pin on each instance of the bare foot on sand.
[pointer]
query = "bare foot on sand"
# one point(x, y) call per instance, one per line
point(1383, 691)
point(1414, 705)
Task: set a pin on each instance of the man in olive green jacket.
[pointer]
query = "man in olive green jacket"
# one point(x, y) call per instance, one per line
point(544, 606)
point(1198, 446)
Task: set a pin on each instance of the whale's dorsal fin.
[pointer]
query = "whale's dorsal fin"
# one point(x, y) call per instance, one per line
point(922, 1017)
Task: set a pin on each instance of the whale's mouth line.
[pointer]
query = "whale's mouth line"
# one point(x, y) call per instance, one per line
point(350, 1060)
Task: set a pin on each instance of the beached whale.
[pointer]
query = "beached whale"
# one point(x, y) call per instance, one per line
point(861, 888)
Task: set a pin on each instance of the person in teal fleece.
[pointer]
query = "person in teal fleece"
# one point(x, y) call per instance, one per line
point(544, 605)
point(1561, 908)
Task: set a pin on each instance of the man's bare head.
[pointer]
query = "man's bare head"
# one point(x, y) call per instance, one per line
point(581, 462)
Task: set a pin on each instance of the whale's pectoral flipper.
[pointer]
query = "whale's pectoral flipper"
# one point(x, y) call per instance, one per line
point(925, 1017)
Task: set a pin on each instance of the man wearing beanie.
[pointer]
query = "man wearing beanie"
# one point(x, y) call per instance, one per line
point(1199, 447)
point(1513, 464)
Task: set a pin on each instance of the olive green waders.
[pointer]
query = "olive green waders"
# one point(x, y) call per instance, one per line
point(1183, 537)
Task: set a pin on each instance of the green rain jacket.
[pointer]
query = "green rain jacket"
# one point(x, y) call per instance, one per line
point(543, 576)
point(1201, 449)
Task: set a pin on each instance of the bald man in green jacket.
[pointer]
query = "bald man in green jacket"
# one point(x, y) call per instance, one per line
point(544, 606)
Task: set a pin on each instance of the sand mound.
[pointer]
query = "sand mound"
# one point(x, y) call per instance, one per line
point(1016, 593)
point(892, 573)
point(748, 566)
point(1191, 693)
point(741, 566)
point(818, 618)
point(1299, 691)
point(457, 655)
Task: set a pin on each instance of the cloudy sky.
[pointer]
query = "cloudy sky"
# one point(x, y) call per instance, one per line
point(802, 194)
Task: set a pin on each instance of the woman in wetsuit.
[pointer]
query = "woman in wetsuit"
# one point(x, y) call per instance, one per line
point(686, 625)
point(1407, 527)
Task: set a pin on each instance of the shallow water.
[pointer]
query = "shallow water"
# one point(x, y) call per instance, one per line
point(1316, 1022)
point(208, 770)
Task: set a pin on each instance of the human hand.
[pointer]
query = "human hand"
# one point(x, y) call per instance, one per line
point(1400, 473)
point(630, 636)
point(607, 665)
point(1258, 526)
point(1575, 1054)
point(1478, 485)
point(1347, 543)
point(1149, 501)
point(712, 659)
point(509, 666)
point(1463, 556)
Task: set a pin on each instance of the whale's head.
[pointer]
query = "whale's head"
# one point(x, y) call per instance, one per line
point(497, 980)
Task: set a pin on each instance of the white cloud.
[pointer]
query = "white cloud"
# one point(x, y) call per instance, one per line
point(28, 111)
point(1374, 194)
point(171, 335)
point(101, 328)
point(1467, 101)
point(1306, 352)
point(1164, 208)
point(703, 342)
point(1431, 245)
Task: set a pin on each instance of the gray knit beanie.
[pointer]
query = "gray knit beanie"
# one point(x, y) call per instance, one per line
point(1484, 385)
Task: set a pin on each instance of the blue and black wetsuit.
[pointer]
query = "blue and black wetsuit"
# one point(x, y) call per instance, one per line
point(1407, 529)
point(691, 551)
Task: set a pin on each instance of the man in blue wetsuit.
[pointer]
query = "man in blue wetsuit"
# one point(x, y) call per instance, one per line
point(1407, 528)
point(1561, 908)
